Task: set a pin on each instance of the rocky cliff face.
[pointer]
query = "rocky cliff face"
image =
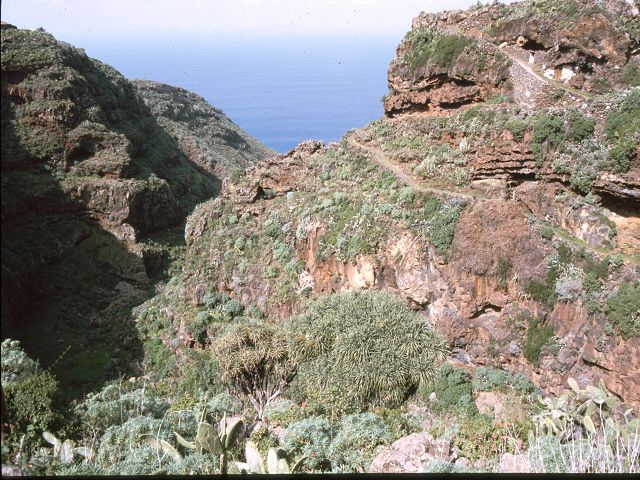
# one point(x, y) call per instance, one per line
point(510, 219)
point(459, 57)
point(93, 167)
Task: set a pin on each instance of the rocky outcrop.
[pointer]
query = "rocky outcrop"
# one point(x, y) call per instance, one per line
point(467, 72)
point(455, 58)
point(409, 454)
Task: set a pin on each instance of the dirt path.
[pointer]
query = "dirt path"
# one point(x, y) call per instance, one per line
point(381, 159)
point(540, 77)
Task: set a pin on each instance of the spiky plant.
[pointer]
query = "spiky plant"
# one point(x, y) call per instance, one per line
point(254, 361)
point(362, 348)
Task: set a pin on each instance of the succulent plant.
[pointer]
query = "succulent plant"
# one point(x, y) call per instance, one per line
point(277, 461)
point(215, 442)
point(592, 409)
point(66, 450)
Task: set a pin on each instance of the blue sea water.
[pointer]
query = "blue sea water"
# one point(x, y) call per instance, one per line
point(280, 90)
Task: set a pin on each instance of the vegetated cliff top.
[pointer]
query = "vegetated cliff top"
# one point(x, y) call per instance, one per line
point(581, 48)
point(204, 133)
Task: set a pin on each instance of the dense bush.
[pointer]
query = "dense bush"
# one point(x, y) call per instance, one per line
point(354, 445)
point(29, 392)
point(621, 128)
point(623, 309)
point(442, 226)
point(487, 379)
point(362, 348)
point(454, 390)
point(517, 127)
point(16, 363)
point(310, 437)
point(548, 132)
point(433, 47)
point(580, 127)
point(115, 404)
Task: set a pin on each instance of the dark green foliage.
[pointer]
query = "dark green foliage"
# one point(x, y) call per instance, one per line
point(354, 445)
point(623, 309)
point(580, 127)
point(487, 379)
point(621, 128)
point(479, 438)
point(30, 401)
point(310, 437)
point(453, 390)
point(442, 227)
point(631, 75)
point(543, 291)
point(434, 48)
point(621, 154)
point(548, 132)
point(517, 127)
point(537, 336)
point(362, 348)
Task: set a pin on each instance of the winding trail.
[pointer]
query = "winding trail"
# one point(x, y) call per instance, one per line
point(381, 159)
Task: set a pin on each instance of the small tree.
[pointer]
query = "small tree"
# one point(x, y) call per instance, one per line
point(254, 361)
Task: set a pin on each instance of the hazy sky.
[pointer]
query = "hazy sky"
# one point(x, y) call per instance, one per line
point(77, 18)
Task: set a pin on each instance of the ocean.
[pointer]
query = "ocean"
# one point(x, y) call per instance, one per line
point(281, 90)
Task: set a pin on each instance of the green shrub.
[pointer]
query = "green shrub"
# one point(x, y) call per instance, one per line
point(580, 127)
point(631, 75)
point(353, 447)
point(310, 437)
point(621, 154)
point(29, 392)
point(548, 132)
point(199, 372)
point(362, 348)
point(503, 272)
point(427, 46)
point(543, 291)
point(537, 336)
point(115, 405)
point(120, 452)
point(283, 412)
point(16, 363)
point(517, 127)
point(623, 310)
point(30, 401)
point(400, 421)
point(453, 390)
point(440, 466)
point(487, 379)
point(442, 226)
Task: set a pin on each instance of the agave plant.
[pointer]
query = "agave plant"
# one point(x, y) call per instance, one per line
point(277, 461)
point(66, 450)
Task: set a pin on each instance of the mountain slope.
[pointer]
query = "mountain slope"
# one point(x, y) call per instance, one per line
point(95, 189)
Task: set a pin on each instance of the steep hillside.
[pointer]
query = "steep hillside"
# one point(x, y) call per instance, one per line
point(504, 222)
point(453, 288)
point(97, 179)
